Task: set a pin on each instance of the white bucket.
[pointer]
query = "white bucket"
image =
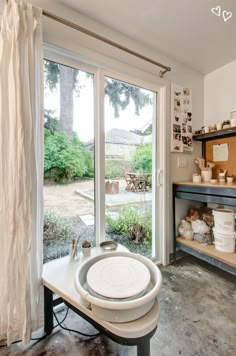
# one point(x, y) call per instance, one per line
point(224, 219)
point(224, 242)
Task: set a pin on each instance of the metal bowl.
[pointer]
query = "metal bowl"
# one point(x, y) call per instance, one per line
point(108, 245)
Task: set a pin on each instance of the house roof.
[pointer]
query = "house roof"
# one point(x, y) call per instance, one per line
point(123, 137)
point(118, 136)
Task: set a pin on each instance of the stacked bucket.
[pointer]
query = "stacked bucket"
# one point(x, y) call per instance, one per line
point(224, 230)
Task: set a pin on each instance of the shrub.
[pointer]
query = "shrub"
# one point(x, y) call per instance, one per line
point(142, 159)
point(65, 157)
point(116, 168)
point(50, 121)
point(55, 226)
point(134, 224)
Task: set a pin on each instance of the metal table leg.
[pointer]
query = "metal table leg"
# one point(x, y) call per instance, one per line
point(48, 310)
point(143, 349)
point(142, 343)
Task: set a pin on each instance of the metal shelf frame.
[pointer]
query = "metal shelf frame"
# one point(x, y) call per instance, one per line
point(203, 194)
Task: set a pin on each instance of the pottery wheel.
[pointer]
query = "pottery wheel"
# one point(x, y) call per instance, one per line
point(118, 277)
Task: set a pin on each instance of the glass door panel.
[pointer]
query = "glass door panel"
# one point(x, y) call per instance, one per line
point(130, 151)
point(69, 209)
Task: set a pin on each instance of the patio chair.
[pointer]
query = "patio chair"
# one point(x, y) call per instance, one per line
point(128, 182)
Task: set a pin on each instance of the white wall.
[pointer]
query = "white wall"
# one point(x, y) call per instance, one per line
point(220, 94)
point(114, 59)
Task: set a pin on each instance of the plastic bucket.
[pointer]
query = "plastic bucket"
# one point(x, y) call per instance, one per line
point(224, 242)
point(224, 219)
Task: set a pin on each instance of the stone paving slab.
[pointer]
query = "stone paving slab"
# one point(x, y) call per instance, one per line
point(87, 219)
point(122, 198)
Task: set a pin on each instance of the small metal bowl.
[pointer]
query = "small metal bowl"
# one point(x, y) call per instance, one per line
point(108, 245)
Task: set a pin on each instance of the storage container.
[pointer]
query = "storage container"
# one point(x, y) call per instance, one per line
point(224, 242)
point(224, 220)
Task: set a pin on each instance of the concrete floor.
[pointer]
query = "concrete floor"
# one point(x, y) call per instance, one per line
point(198, 317)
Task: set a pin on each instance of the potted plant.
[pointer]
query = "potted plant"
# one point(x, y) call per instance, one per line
point(86, 247)
point(230, 178)
point(226, 124)
point(222, 175)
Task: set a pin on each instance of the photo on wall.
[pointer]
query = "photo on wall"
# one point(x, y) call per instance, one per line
point(181, 119)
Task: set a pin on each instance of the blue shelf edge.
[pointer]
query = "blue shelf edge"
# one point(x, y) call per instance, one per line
point(213, 261)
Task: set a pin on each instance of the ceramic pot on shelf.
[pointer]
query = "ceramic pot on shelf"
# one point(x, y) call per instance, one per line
point(233, 119)
point(229, 179)
point(222, 177)
point(206, 175)
point(196, 178)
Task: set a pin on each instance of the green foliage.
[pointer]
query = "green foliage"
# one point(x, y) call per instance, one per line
point(116, 168)
point(55, 226)
point(120, 93)
point(66, 157)
point(132, 223)
point(50, 121)
point(51, 74)
point(142, 159)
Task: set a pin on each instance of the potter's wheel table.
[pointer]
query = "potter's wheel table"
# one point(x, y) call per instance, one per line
point(58, 277)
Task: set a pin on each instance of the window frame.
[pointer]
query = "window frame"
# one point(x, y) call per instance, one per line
point(161, 196)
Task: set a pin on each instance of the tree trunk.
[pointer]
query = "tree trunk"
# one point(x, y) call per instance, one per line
point(66, 99)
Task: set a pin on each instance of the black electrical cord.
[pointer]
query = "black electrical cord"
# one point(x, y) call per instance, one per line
point(75, 331)
point(58, 323)
point(44, 336)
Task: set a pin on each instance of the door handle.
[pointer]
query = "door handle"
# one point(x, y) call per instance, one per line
point(159, 171)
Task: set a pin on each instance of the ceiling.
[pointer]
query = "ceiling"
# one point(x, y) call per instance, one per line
point(185, 30)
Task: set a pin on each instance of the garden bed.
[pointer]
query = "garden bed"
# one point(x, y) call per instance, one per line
point(57, 248)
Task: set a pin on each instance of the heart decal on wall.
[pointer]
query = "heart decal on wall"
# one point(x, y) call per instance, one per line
point(216, 10)
point(226, 15)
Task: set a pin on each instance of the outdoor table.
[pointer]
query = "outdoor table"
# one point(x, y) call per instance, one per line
point(58, 277)
point(137, 181)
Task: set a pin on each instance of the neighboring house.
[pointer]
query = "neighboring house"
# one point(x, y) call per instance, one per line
point(121, 144)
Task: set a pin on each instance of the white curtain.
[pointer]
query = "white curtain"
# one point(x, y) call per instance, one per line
point(21, 170)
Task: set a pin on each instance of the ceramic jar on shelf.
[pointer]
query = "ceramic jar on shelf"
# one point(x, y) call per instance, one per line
point(233, 119)
point(206, 175)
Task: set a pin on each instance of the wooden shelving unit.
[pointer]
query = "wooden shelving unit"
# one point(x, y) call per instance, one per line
point(209, 250)
point(205, 193)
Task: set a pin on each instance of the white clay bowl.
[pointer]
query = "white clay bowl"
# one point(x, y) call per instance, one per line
point(115, 310)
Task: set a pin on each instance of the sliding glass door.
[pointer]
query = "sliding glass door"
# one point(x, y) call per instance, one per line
point(130, 147)
point(69, 209)
point(104, 126)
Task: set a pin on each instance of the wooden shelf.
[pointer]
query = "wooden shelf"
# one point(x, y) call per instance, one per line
point(215, 134)
point(209, 250)
point(208, 184)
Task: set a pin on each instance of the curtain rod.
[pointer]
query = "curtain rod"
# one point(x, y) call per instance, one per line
point(106, 40)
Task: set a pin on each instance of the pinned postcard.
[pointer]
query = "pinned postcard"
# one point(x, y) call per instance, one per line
point(220, 153)
point(181, 119)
